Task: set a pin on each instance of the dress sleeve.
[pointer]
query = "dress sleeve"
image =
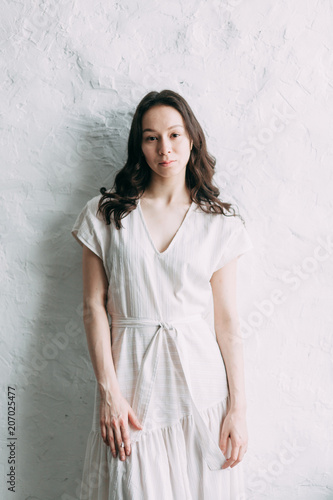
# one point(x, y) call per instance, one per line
point(235, 241)
point(90, 229)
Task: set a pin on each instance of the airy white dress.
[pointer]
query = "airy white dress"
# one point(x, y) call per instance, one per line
point(166, 356)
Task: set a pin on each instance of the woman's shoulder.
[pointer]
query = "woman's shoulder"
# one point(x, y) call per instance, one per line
point(224, 225)
point(89, 214)
point(91, 207)
point(226, 218)
point(93, 202)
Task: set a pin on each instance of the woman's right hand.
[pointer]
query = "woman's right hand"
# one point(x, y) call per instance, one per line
point(115, 415)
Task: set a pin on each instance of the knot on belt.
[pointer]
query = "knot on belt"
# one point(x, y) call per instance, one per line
point(166, 326)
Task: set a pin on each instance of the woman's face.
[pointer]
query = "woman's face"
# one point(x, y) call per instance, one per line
point(166, 144)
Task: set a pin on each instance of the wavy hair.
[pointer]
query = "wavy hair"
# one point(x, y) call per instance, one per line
point(133, 178)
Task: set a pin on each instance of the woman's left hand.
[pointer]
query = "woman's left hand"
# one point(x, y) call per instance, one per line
point(234, 428)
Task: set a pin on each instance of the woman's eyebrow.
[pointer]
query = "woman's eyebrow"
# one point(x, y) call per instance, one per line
point(152, 130)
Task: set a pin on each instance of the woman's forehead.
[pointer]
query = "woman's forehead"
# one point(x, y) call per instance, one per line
point(162, 115)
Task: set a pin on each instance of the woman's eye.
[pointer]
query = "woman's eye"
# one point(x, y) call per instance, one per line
point(152, 138)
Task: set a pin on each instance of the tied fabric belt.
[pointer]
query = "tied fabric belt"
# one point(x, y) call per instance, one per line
point(147, 374)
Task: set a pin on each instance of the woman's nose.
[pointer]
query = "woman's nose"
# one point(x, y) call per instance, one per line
point(164, 146)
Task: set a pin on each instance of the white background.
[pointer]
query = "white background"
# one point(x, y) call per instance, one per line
point(259, 77)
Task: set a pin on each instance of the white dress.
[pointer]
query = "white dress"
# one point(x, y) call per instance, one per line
point(168, 362)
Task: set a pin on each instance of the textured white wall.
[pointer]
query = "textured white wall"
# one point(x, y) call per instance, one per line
point(258, 74)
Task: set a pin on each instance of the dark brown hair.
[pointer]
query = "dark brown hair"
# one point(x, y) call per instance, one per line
point(132, 180)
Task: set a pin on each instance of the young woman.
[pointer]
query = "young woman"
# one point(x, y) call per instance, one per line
point(160, 254)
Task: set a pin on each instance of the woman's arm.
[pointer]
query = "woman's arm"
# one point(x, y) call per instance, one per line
point(227, 328)
point(115, 411)
point(95, 287)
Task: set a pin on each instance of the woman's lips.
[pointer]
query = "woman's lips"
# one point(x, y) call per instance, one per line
point(166, 163)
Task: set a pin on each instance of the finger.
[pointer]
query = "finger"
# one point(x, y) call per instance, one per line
point(133, 418)
point(232, 458)
point(224, 443)
point(111, 441)
point(103, 423)
point(242, 451)
point(103, 433)
point(118, 439)
point(126, 438)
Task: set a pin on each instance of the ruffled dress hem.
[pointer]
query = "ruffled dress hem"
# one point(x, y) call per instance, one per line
point(165, 464)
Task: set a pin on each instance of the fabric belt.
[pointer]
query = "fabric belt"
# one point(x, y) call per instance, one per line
point(147, 374)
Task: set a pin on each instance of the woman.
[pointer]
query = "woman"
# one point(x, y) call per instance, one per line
point(159, 255)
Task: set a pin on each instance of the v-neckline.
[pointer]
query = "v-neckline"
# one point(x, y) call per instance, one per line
point(174, 236)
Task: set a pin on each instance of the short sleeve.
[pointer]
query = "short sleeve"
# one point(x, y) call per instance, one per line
point(235, 241)
point(90, 229)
